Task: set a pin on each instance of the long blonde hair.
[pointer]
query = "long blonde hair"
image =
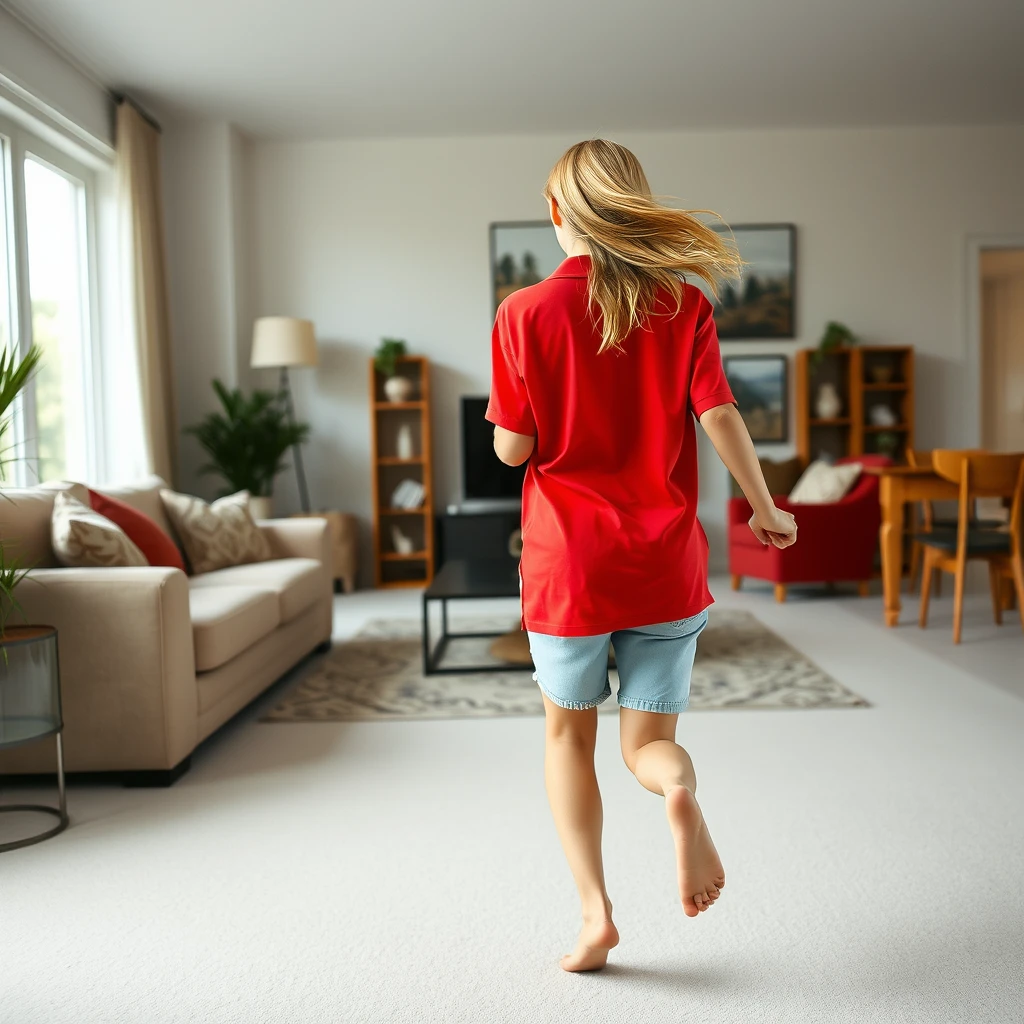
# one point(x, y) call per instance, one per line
point(638, 247)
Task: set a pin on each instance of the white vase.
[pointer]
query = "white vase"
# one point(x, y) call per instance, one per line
point(828, 404)
point(261, 508)
point(403, 442)
point(398, 389)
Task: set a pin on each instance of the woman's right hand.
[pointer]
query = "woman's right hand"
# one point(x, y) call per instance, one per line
point(774, 527)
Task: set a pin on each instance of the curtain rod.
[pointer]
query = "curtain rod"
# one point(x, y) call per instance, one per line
point(120, 97)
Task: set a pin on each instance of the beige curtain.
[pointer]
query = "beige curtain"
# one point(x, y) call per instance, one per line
point(141, 208)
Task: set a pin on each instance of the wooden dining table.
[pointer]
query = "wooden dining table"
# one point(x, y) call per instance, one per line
point(899, 486)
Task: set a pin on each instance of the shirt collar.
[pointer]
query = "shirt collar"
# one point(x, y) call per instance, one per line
point(573, 266)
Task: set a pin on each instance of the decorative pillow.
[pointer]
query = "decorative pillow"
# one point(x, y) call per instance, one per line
point(158, 548)
point(823, 484)
point(82, 538)
point(218, 535)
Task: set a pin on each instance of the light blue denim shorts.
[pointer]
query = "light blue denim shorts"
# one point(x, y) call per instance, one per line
point(654, 665)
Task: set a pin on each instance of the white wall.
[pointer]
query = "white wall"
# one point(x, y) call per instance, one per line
point(389, 237)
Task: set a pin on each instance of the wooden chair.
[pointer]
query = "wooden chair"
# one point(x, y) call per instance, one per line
point(980, 475)
point(929, 522)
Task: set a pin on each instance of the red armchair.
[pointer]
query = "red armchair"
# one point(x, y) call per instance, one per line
point(835, 542)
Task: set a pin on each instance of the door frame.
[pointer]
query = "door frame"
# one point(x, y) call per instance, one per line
point(976, 244)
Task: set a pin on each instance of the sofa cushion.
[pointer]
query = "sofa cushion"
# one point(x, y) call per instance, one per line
point(83, 538)
point(147, 536)
point(216, 536)
point(228, 620)
point(297, 582)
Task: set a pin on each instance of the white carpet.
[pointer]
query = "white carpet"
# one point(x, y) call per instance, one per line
point(409, 871)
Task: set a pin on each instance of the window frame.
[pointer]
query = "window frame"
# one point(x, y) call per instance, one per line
point(21, 144)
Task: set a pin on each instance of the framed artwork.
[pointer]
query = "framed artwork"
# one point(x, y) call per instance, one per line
point(761, 387)
point(761, 304)
point(522, 253)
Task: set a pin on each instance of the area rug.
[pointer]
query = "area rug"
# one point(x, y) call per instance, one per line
point(378, 675)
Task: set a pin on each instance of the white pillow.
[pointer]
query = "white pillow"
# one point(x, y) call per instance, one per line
point(822, 484)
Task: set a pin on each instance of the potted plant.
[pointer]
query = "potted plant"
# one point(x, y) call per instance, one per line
point(385, 360)
point(836, 335)
point(246, 441)
point(887, 442)
point(14, 375)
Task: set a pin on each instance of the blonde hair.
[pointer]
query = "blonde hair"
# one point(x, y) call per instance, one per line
point(638, 247)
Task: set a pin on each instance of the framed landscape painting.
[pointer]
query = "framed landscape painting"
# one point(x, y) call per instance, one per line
point(522, 253)
point(761, 387)
point(761, 304)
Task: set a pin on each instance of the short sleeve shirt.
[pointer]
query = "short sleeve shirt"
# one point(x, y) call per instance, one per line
point(610, 532)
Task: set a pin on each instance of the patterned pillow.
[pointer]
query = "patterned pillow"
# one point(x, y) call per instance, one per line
point(82, 538)
point(218, 535)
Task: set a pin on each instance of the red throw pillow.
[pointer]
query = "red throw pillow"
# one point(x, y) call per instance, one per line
point(147, 536)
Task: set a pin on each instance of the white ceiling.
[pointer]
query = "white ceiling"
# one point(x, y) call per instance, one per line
point(420, 67)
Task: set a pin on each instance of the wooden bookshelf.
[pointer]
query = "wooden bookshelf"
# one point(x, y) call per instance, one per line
point(393, 568)
point(863, 376)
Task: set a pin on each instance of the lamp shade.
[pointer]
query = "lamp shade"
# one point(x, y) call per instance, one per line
point(283, 341)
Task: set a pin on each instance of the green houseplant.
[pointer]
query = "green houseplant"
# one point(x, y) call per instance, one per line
point(15, 373)
point(836, 335)
point(247, 438)
point(385, 361)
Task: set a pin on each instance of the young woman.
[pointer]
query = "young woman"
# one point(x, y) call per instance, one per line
point(598, 373)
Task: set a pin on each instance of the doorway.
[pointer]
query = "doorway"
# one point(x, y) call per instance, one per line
point(1001, 288)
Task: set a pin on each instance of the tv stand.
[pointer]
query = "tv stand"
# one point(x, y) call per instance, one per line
point(483, 506)
point(479, 530)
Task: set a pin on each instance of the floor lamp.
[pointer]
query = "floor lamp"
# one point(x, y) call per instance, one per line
point(281, 342)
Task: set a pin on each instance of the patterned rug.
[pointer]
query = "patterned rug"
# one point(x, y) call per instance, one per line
point(379, 675)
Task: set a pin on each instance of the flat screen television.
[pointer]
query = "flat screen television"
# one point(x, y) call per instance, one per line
point(484, 476)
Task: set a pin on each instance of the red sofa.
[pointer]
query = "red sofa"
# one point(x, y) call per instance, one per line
point(835, 543)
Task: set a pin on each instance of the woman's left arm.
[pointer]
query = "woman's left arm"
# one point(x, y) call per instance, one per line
point(513, 449)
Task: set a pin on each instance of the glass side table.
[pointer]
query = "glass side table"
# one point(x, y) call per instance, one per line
point(30, 710)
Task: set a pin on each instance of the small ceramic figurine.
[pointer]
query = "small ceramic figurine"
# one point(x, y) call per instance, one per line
point(403, 544)
point(882, 416)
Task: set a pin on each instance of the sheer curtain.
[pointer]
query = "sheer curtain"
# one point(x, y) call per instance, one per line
point(144, 396)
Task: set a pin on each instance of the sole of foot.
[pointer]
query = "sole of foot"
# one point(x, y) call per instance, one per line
point(701, 875)
point(591, 952)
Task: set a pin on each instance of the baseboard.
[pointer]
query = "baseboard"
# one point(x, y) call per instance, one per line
point(149, 778)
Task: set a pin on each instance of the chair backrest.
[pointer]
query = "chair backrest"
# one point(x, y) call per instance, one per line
point(918, 459)
point(983, 475)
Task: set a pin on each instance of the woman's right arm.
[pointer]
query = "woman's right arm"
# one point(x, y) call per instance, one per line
point(728, 433)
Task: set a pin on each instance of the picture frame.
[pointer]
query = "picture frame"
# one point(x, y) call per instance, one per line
point(522, 253)
point(760, 385)
point(763, 304)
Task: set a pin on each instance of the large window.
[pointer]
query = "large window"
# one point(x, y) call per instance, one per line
point(46, 228)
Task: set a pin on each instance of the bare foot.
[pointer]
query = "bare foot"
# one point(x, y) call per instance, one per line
point(701, 875)
point(598, 936)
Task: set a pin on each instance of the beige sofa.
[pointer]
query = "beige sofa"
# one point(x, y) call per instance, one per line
point(151, 661)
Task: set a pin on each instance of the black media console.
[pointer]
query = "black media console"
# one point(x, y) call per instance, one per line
point(473, 536)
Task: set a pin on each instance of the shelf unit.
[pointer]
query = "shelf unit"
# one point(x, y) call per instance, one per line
point(863, 376)
point(393, 568)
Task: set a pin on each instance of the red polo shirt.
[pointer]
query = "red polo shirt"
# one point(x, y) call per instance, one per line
point(610, 532)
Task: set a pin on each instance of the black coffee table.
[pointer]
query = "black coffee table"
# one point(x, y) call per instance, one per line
point(458, 581)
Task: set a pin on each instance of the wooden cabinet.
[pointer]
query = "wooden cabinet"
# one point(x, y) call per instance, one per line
point(875, 387)
point(403, 537)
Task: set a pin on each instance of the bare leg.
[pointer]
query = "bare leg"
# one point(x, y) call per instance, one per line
point(576, 805)
point(662, 766)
